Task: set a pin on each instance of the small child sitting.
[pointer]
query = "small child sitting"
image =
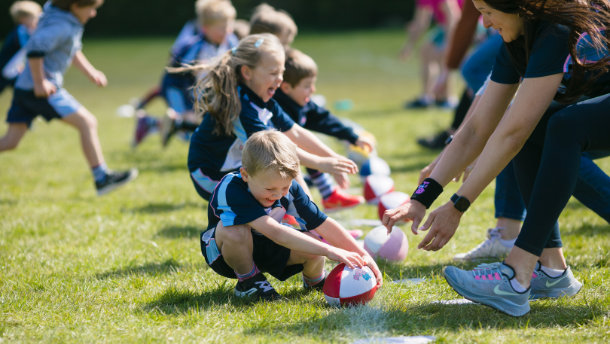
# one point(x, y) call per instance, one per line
point(294, 96)
point(245, 237)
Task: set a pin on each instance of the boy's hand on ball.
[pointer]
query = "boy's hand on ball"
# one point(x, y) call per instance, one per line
point(370, 262)
point(366, 144)
point(351, 259)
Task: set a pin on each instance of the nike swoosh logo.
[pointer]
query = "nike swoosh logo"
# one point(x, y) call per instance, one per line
point(497, 291)
point(550, 284)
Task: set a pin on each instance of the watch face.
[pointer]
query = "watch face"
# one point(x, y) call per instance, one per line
point(460, 203)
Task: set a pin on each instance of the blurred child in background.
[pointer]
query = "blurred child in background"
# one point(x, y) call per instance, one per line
point(25, 14)
point(266, 19)
point(210, 37)
point(55, 45)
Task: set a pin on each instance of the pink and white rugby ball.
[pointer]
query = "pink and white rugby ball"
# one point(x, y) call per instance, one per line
point(349, 287)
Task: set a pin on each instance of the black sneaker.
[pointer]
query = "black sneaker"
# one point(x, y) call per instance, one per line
point(257, 288)
point(113, 180)
point(434, 142)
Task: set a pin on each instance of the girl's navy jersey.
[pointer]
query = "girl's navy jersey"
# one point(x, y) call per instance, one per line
point(548, 55)
point(233, 204)
point(315, 118)
point(215, 155)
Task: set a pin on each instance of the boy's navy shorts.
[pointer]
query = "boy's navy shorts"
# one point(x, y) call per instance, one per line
point(26, 106)
point(268, 256)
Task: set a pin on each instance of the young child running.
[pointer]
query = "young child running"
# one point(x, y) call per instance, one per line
point(244, 237)
point(12, 56)
point(237, 102)
point(266, 19)
point(209, 37)
point(56, 44)
point(294, 97)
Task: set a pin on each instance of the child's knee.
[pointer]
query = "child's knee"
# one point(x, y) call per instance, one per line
point(240, 235)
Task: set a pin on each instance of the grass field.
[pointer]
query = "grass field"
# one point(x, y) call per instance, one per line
point(127, 267)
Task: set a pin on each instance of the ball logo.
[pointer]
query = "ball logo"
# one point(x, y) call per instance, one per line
point(360, 273)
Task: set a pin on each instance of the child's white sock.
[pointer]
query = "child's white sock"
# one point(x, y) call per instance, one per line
point(507, 243)
point(313, 281)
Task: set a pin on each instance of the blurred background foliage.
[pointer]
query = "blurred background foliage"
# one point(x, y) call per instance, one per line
point(166, 17)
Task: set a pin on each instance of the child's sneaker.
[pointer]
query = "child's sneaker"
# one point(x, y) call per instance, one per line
point(544, 285)
point(168, 129)
point(339, 200)
point(113, 180)
point(489, 285)
point(256, 288)
point(143, 128)
point(490, 248)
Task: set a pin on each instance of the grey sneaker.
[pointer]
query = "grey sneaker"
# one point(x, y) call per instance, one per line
point(489, 285)
point(115, 179)
point(490, 248)
point(257, 288)
point(545, 286)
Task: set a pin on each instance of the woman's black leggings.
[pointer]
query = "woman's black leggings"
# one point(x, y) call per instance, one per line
point(547, 166)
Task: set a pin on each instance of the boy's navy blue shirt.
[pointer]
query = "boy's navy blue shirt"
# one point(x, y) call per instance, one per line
point(233, 204)
point(216, 155)
point(15, 40)
point(315, 118)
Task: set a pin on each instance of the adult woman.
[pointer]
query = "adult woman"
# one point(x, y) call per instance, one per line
point(546, 143)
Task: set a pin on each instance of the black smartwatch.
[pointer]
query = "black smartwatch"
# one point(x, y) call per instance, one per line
point(460, 203)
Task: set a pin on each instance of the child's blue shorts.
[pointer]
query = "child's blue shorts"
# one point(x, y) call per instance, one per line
point(268, 256)
point(26, 106)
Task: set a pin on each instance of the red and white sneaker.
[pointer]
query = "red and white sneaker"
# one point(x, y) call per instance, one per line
point(339, 200)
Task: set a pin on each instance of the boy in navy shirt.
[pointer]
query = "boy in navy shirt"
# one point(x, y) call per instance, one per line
point(12, 56)
point(245, 237)
point(294, 96)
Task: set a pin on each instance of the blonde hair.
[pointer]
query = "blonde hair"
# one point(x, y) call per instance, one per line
point(22, 9)
point(267, 19)
point(298, 67)
point(217, 93)
point(270, 150)
point(210, 12)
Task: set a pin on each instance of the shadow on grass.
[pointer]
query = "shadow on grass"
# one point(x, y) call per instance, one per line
point(153, 208)
point(175, 232)
point(145, 269)
point(427, 319)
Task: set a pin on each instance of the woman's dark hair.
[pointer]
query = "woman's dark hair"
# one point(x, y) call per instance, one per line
point(580, 16)
point(65, 4)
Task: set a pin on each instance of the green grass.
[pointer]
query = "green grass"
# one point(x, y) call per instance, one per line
point(127, 267)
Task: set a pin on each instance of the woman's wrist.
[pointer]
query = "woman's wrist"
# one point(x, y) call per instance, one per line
point(427, 192)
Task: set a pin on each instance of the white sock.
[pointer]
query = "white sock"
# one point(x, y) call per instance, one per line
point(508, 243)
point(551, 272)
point(517, 286)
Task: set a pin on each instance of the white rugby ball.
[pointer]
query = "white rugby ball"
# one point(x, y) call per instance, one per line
point(393, 247)
point(391, 200)
point(375, 165)
point(375, 186)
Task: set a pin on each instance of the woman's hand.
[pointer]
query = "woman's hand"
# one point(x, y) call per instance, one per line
point(442, 223)
point(412, 211)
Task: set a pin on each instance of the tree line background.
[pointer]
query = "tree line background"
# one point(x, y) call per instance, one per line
point(166, 17)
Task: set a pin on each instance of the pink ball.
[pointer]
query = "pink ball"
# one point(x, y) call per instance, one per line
point(375, 186)
point(391, 200)
point(348, 287)
point(393, 247)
